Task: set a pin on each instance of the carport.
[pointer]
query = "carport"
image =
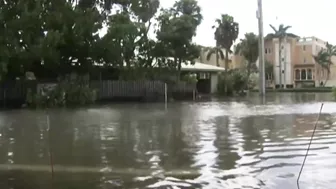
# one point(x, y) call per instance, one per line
point(207, 76)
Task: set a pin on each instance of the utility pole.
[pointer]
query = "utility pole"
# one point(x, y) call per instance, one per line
point(261, 49)
point(285, 60)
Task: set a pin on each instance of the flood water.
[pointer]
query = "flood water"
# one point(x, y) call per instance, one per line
point(236, 143)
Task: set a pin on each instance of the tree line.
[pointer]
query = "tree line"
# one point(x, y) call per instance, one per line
point(62, 36)
point(51, 38)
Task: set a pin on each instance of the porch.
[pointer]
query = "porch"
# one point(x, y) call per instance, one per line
point(304, 76)
point(207, 76)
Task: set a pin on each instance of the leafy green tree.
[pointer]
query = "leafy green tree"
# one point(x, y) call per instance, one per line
point(226, 32)
point(323, 58)
point(21, 34)
point(248, 48)
point(58, 35)
point(280, 33)
point(177, 27)
point(145, 11)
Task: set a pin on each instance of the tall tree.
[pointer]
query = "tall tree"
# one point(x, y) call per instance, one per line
point(280, 33)
point(177, 27)
point(218, 53)
point(248, 48)
point(324, 59)
point(226, 32)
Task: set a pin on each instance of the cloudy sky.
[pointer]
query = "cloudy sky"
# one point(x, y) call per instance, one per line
point(307, 17)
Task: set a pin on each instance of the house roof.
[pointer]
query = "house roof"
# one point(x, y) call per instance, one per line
point(201, 67)
point(191, 67)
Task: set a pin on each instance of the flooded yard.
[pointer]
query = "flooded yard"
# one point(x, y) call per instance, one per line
point(238, 143)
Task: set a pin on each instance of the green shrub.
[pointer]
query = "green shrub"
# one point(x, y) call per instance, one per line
point(235, 82)
point(334, 92)
point(71, 90)
point(189, 78)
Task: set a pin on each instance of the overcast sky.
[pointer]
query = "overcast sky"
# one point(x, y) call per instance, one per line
point(307, 17)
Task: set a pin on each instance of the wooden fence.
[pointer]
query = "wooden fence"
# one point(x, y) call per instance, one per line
point(128, 89)
point(107, 89)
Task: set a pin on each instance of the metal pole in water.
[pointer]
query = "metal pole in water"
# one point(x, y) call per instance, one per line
point(285, 61)
point(261, 49)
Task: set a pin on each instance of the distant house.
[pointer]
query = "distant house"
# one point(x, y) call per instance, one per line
point(299, 68)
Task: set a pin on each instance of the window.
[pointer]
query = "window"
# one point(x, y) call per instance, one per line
point(304, 60)
point(265, 50)
point(304, 47)
point(303, 74)
point(310, 74)
point(269, 51)
point(282, 59)
point(297, 74)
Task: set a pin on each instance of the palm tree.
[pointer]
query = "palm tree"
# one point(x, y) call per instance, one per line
point(218, 52)
point(331, 50)
point(269, 70)
point(323, 58)
point(280, 33)
point(248, 48)
point(226, 33)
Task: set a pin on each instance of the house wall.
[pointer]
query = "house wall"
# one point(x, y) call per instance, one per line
point(300, 54)
point(214, 82)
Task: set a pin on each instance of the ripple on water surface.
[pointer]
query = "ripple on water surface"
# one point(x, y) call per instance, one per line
point(189, 145)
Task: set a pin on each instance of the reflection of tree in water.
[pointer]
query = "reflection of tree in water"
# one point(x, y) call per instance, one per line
point(4, 144)
point(178, 155)
point(75, 141)
point(27, 139)
point(119, 152)
point(162, 136)
point(227, 157)
point(22, 143)
point(250, 127)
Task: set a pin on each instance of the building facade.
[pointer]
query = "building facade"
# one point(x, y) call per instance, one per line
point(298, 67)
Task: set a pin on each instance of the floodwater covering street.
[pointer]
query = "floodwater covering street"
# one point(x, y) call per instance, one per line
point(236, 143)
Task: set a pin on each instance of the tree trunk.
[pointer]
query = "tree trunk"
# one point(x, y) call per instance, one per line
point(226, 69)
point(327, 78)
point(280, 69)
point(248, 75)
point(178, 60)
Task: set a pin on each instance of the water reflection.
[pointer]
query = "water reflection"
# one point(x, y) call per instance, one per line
point(237, 144)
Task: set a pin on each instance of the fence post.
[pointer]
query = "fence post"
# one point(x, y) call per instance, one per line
point(165, 95)
point(4, 99)
point(194, 94)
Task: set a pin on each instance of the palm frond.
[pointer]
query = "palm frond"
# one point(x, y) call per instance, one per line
point(210, 53)
point(238, 48)
point(221, 54)
point(286, 28)
point(274, 29)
